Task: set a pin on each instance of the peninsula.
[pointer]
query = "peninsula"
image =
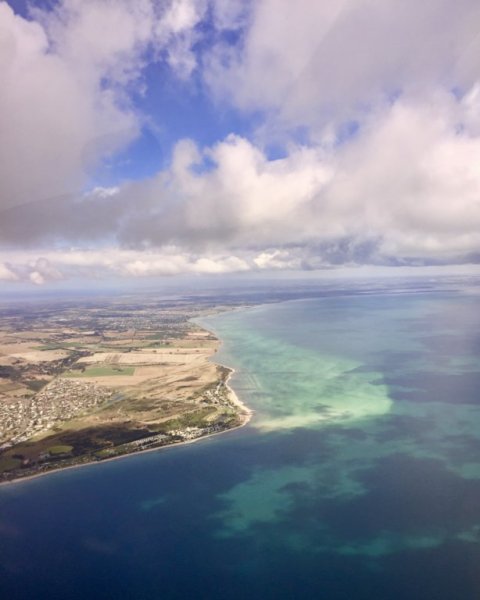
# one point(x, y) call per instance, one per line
point(89, 381)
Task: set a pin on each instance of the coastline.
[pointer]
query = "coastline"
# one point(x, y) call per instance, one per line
point(245, 410)
point(245, 414)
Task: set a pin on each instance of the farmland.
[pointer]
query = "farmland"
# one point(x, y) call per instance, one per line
point(85, 382)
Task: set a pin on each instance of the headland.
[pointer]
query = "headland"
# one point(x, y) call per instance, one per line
point(88, 383)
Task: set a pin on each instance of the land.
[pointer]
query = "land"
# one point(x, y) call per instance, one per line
point(94, 380)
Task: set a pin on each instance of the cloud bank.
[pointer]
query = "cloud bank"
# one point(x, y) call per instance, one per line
point(374, 108)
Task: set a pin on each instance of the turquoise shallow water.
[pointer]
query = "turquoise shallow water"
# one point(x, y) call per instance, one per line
point(358, 477)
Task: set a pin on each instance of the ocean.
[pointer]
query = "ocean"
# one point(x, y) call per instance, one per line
point(357, 478)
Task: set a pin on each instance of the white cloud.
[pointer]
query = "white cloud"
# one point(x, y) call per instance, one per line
point(176, 30)
point(277, 259)
point(231, 14)
point(113, 262)
point(100, 38)
point(311, 62)
point(406, 189)
point(55, 123)
point(403, 188)
point(412, 179)
point(30, 267)
point(66, 81)
point(37, 278)
point(181, 15)
point(6, 274)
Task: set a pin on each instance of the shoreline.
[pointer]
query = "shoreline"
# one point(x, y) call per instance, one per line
point(245, 410)
point(245, 413)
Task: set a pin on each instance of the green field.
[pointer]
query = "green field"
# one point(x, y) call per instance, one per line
point(61, 449)
point(105, 453)
point(100, 371)
point(60, 346)
point(7, 463)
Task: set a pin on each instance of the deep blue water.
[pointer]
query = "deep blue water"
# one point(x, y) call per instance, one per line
point(358, 478)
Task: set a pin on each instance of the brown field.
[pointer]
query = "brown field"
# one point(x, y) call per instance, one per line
point(159, 357)
point(34, 356)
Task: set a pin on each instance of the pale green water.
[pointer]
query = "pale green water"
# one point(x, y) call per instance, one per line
point(351, 370)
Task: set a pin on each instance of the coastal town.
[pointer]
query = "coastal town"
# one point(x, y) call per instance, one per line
point(80, 384)
point(59, 401)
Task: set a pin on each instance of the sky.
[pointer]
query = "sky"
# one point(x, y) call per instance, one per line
point(144, 139)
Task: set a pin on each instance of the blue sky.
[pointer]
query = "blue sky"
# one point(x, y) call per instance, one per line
point(174, 109)
point(154, 138)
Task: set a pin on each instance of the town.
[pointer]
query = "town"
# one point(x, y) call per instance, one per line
point(58, 401)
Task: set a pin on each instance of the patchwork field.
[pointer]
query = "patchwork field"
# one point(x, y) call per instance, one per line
point(117, 379)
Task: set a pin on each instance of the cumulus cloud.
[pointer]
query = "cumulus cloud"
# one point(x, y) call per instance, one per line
point(412, 180)
point(176, 32)
point(37, 270)
point(313, 62)
point(111, 261)
point(55, 121)
point(6, 274)
point(406, 189)
point(66, 79)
